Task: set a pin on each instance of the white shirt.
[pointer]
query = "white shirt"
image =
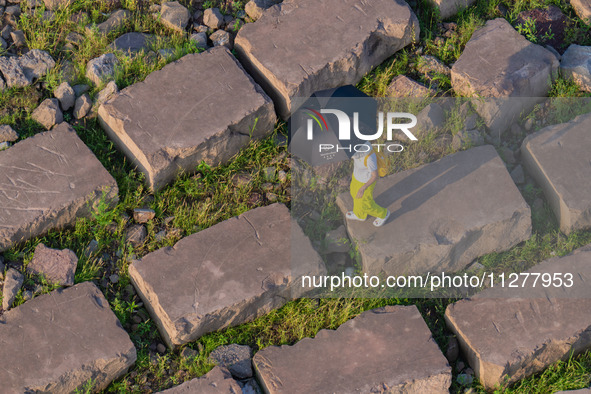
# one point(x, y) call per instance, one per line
point(361, 172)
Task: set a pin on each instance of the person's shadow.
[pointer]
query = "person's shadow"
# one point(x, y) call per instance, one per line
point(431, 179)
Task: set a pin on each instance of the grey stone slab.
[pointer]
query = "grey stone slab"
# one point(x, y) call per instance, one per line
point(387, 349)
point(216, 381)
point(301, 46)
point(444, 215)
point(223, 276)
point(583, 9)
point(576, 65)
point(47, 182)
point(513, 67)
point(509, 333)
point(173, 120)
point(58, 341)
point(558, 157)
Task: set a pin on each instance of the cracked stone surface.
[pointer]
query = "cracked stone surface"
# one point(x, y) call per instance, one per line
point(225, 275)
point(508, 334)
point(444, 215)
point(216, 381)
point(172, 121)
point(498, 62)
point(46, 182)
point(58, 341)
point(301, 46)
point(368, 354)
point(559, 159)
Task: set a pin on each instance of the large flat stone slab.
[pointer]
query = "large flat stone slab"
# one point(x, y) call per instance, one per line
point(201, 107)
point(510, 333)
point(46, 182)
point(387, 349)
point(498, 62)
point(302, 46)
point(217, 381)
point(559, 159)
point(226, 275)
point(56, 342)
point(444, 215)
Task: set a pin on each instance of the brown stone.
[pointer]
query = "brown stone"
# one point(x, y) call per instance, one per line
point(12, 284)
point(216, 381)
point(58, 266)
point(59, 341)
point(48, 113)
point(559, 157)
point(509, 333)
point(143, 215)
point(56, 4)
point(443, 215)
point(583, 9)
point(402, 86)
point(172, 121)
point(388, 349)
point(7, 134)
point(83, 106)
point(301, 46)
point(449, 8)
point(115, 21)
point(47, 182)
point(225, 275)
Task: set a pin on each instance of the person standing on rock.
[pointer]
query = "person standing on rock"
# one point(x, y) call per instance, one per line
point(363, 182)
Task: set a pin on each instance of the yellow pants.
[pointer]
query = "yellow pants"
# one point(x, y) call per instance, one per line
point(365, 205)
